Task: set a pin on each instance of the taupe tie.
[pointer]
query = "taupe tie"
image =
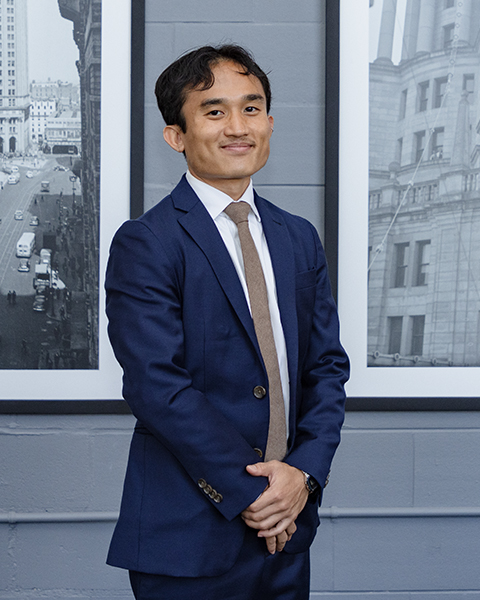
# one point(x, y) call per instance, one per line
point(257, 291)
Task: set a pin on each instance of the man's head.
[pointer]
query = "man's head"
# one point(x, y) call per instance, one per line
point(215, 103)
point(194, 71)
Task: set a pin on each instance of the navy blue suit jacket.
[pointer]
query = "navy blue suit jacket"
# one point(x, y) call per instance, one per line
point(181, 329)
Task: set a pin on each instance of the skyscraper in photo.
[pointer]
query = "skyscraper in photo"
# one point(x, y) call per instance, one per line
point(86, 17)
point(14, 85)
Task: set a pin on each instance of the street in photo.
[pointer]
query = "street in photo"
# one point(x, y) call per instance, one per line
point(50, 57)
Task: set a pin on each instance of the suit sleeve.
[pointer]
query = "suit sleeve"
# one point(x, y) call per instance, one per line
point(323, 373)
point(144, 308)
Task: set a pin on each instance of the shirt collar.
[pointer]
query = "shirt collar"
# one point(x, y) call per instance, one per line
point(216, 201)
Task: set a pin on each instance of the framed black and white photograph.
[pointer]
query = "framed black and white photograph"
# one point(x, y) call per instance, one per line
point(409, 201)
point(65, 189)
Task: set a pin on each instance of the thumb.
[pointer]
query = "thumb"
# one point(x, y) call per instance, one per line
point(258, 469)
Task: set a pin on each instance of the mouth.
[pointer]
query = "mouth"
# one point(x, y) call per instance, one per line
point(238, 147)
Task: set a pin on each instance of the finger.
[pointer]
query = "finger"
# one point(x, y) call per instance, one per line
point(282, 539)
point(267, 512)
point(267, 524)
point(271, 544)
point(262, 468)
point(291, 529)
point(261, 503)
point(279, 528)
point(261, 512)
point(264, 515)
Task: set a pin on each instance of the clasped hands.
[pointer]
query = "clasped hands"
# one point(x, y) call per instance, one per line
point(275, 511)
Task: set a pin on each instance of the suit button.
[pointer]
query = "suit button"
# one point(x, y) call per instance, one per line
point(201, 483)
point(259, 452)
point(207, 489)
point(218, 498)
point(259, 392)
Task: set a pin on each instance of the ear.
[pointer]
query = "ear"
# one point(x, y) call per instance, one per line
point(270, 120)
point(173, 135)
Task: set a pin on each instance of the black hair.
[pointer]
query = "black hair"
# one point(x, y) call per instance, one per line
point(194, 70)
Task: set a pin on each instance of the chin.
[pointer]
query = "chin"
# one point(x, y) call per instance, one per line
point(244, 170)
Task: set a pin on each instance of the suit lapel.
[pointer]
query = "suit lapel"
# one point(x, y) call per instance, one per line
point(200, 226)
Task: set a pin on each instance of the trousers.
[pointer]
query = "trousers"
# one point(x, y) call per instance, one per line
point(256, 575)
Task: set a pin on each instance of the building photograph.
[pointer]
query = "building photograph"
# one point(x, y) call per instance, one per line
point(50, 55)
point(424, 184)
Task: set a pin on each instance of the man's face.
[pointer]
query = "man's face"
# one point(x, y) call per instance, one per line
point(228, 130)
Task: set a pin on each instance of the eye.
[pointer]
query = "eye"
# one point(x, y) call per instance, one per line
point(252, 109)
point(214, 113)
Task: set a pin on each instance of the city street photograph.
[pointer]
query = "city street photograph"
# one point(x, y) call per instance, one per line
point(49, 184)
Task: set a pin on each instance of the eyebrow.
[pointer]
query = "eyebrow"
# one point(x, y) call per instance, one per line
point(216, 101)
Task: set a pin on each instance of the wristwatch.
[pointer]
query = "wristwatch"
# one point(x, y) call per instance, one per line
point(311, 483)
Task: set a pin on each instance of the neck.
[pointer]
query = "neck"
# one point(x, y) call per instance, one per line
point(235, 188)
point(234, 191)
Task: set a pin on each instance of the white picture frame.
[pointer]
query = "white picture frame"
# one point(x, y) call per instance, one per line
point(96, 390)
point(373, 388)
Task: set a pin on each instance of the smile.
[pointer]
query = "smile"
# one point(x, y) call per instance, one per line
point(238, 148)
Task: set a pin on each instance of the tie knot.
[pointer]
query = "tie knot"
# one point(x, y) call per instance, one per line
point(238, 211)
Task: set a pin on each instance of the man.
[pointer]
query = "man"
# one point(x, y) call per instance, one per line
point(228, 337)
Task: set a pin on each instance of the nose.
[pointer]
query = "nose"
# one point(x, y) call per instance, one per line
point(236, 124)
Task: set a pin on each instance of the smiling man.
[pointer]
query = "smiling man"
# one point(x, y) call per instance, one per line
point(221, 316)
point(227, 133)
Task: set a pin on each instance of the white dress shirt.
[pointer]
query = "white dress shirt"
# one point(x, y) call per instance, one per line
point(216, 202)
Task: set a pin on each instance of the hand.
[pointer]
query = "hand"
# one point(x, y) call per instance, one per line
point(277, 543)
point(280, 504)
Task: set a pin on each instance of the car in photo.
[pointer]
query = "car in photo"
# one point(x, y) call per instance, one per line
point(18, 216)
point(39, 304)
point(24, 266)
point(46, 256)
point(14, 169)
point(34, 221)
point(57, 283)
point(60, 168)
point(29, 175)
point(13, 178)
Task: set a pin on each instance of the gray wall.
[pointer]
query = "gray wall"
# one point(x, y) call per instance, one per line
point(286, 40)
point(401, 516)
point(402, 487)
